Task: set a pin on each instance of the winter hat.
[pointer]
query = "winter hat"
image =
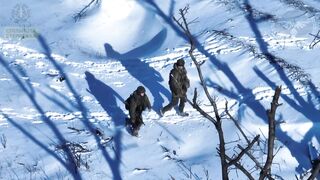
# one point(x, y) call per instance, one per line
point(180, 62)
point(141, 89)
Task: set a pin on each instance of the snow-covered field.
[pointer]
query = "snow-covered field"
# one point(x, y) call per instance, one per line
point(121, 44)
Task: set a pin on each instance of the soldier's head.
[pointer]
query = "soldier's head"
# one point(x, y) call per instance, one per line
point(180, 63)
point(141, 90)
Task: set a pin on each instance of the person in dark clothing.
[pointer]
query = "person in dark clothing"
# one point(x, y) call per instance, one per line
point(136, 104)
point(179, 83)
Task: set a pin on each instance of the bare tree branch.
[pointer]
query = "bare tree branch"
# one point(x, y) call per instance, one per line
point(271, 135)
point(195, 105)
point(217, 121)
point(241, 168)
point(82, 13)
point(243, 152)
point(179, 24)
point(315, 41)
point(195, 20)
point(236, 123)
point(184, 26)
point(254, 160)
point(225, 160)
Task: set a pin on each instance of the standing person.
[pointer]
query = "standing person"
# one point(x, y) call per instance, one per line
point(136, 104)
point(179, 83)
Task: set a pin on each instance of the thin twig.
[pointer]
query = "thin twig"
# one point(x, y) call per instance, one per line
point(236, 123)
point(253, 159)
point(315, 41)
point(79, 15)
point(233, 161)
point(241, 168)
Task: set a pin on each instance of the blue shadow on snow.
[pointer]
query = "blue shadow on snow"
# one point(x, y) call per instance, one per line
point(141, 70)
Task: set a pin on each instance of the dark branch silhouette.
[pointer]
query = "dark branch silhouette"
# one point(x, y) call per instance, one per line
point(315, 40)
point(84, 10)
point(271, 133)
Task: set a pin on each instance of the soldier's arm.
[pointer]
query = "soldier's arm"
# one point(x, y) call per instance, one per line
point(187, 84)
point(186, 80)
point(132, 110)
point(148, 102)
point(174, 82)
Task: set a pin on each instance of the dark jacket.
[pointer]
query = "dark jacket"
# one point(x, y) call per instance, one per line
point(178, 81)
point(136, 104)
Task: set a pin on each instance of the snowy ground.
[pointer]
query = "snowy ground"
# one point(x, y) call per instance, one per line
point(122, 44)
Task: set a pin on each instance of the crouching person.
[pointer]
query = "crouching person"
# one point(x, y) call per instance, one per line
point(136, 104)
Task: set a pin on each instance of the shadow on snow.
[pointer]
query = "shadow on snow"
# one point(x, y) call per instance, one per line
point(141, 70)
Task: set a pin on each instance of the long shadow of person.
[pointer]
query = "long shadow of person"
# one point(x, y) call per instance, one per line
point(114, 163)
point(141, 70)
point(107, 98)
